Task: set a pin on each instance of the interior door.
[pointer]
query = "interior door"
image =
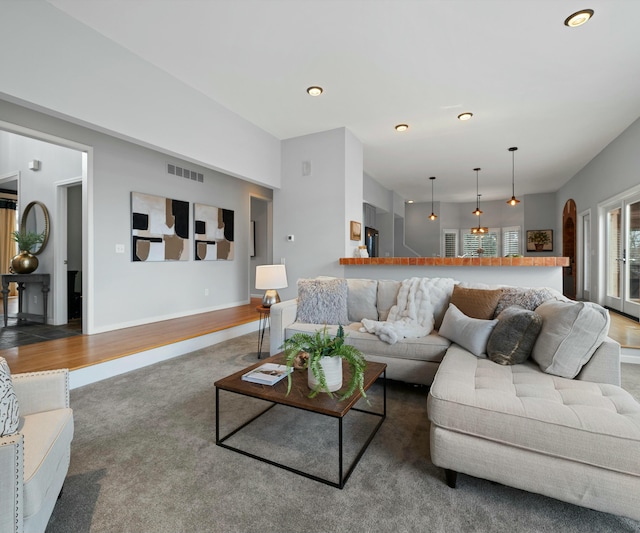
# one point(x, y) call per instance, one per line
point(623, 256)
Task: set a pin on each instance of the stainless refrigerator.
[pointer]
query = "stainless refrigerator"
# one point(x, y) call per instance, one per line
point(371, 237)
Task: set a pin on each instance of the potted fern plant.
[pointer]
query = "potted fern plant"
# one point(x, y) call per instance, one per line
point(323, 361)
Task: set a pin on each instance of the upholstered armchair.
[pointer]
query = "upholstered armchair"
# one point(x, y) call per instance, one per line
point(35, 459)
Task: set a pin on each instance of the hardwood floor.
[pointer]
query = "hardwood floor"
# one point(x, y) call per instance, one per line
point(625, 331)
point(84, 350)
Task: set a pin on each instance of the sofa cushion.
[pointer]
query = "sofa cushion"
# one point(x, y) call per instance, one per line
point(47, 440)
point(428, 348)
point(470, 333)
point(528, 298)
point(387, 297)
point(513, 337)
point(476, 303)
point(571, 332)
point(9, 411)
point(322, 301)
point(517, 405)
point(362, 296)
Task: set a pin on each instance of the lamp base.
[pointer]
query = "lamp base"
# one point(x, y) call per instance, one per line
point(270, 297)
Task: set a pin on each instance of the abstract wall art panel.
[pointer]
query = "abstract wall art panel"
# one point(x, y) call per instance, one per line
point(159, 228)
point(213, 233)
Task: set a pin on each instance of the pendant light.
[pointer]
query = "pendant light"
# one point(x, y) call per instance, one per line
point(477, 212)
point(514, 200)
point(432, 216)
point(479, 229)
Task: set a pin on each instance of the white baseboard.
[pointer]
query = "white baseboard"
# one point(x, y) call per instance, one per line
point(152, 320)
point(98, 372)
point(630, 355)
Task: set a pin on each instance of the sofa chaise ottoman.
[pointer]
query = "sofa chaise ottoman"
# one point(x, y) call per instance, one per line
point(576, 440)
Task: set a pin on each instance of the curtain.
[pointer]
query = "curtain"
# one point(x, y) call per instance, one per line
point(7, 244)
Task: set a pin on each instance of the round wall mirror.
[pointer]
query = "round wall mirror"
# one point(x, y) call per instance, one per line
point(36, 219)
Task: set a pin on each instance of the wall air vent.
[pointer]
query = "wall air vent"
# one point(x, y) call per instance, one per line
point(175, 170)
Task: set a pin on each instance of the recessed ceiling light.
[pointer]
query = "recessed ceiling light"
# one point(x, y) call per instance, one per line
point(579, 18)
point(409, 201)
point(402, 127)
point(315, 90)
point(465, 116)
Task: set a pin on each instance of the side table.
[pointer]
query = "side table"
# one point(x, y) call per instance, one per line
point(265, 322)
point(21, 279)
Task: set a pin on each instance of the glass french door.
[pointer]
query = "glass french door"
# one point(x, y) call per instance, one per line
point(623, 256)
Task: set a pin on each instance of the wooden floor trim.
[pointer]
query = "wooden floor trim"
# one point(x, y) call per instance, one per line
point(85, 350)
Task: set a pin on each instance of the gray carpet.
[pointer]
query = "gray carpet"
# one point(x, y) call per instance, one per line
point(144, 459)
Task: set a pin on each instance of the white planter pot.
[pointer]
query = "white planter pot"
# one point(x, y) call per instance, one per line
point(332, 367)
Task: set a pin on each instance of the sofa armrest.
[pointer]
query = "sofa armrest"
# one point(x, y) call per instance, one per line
point(604, 365)
point(11, 483)
point(282, 315)
point(41, 391)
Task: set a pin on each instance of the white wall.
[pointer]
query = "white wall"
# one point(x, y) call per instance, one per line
point(316, 209)
point(51, 61)
point(540, 213)
point(127, 293)
point(377, 195)
point(611, 172)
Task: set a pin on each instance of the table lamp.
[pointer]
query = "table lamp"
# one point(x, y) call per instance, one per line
point(270, 278)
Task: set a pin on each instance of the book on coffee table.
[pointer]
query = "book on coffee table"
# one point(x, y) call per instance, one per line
point(267, 374)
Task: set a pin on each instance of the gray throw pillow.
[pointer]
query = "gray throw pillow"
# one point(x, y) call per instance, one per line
point(322, 301)
point(571, 333)
point(512, 339)
point(527, 298)
point(470, 333)
point(362, 295)
point(9, 413)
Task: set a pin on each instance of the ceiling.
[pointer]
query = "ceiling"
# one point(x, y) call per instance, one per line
point(559, 94)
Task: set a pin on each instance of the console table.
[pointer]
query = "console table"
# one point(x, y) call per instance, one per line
point(21, 279)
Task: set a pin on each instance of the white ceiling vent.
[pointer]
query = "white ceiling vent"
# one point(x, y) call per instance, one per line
point(175, 170)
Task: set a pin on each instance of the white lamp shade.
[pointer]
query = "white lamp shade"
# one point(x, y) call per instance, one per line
point(271, 277)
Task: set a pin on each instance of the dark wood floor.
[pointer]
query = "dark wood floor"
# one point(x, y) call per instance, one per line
point(84, 350)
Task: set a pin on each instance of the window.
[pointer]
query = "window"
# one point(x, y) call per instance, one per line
point(511, 241)
point(450, 242)
point(489, 243)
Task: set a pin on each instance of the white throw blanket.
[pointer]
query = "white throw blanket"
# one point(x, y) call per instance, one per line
point(419, 301)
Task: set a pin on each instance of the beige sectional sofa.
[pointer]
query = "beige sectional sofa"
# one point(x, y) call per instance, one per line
point(573, 438)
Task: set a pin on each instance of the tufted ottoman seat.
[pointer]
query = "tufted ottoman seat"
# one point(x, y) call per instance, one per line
point(577, 441)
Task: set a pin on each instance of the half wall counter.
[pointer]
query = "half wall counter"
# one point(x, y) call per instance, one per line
point(518, 271)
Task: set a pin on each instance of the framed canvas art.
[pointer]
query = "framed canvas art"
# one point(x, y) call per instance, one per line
point(356, 231)
point(540, 240)
point(159, 228)
point(213, 233)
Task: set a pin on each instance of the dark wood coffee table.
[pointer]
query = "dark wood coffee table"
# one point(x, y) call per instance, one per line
point(298, 398)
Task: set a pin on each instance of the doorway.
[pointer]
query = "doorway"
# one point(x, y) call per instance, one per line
point(261, 242)
point(569, 249)
point(622, 257)
point(584, 255)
